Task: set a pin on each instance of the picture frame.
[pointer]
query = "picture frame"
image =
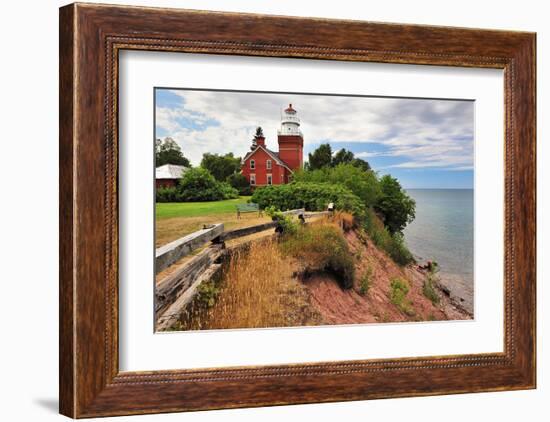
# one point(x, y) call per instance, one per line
point(91, 38)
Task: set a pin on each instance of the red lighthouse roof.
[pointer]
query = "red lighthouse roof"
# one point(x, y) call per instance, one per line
point(290, 109)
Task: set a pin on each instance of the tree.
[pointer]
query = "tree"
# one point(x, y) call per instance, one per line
point(197, 184)
point(343, 156)
point(169, 152)
point(362, 183)
point(395, 205)
point(221, 166)
point(360, 163)
point(321, 157)
point(240, 182)
point(259, 132)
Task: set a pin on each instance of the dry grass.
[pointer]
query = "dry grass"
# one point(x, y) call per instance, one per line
point(257, 290)
point(170, 229)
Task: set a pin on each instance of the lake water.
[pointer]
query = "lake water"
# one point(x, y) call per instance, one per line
point(443, 230)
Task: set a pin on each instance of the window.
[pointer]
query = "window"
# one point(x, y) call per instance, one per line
point(269, 179)
point(268, 164)
point(252, 164)
point(282, 178)
point(252, 179)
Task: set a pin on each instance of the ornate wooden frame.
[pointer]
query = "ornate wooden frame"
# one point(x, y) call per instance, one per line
point(90, 38)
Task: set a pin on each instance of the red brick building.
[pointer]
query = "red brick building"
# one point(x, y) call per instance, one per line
point(261, 166)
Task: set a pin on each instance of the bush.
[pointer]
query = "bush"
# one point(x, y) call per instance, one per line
point(167, 194)
point(240, 182)
point(398, 250)
point(364, 284)
point(197, 184)
point(322, 247)
point(228, 191)
point(393, 245)
point(311, 196)
point(361, 183)
point(285, 222)
point(398, 293)
point(428, 289)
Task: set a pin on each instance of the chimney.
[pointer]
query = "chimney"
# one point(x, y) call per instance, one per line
point(260, 140)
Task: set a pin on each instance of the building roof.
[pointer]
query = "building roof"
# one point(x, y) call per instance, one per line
point(273, 154)
point(170, 171)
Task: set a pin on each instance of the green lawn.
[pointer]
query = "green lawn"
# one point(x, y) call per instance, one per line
point(197, 209)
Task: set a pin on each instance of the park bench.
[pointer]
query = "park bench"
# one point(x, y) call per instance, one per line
point(248, 207)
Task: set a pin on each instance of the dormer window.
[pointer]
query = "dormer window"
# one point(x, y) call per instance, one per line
point(252, 164)
point(268, 164)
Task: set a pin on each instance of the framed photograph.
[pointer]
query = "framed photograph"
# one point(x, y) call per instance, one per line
point(263, 210)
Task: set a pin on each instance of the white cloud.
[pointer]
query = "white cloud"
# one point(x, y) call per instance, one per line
point(425, 133)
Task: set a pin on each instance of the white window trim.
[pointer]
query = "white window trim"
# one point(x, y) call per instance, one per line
point(252, 179)
point(253, 164)
point(269, 177)
point(268, 164)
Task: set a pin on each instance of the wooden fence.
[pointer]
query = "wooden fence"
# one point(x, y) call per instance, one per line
point(176, 291)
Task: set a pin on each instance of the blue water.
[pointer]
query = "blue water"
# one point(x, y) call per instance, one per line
point(443, 230)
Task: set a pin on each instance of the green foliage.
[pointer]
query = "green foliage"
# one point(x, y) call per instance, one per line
point(311, 196)
point(363, 184)
point(362, 164)
point(321, 157)
point(197, 184)
point(428, 289)
point(240, 182)
point(398, 293)
point(168, 194)
point(221, 166)
point(343, 156)
point(398, 250)
point(287, 224)
point(392, 244)
point(169, 152)
point(365, 282)
point(207, 293)
point(322, 247)
point(394, 204)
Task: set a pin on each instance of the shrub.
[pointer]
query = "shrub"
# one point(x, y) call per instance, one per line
point(364, 284)
point(197, 184)
point(322, 247)
point(167, 194)
point(228, 191)
point(311, 196)
point(393, 245)
point(398, 250)
point(398, 293)
point(428, 289)
point(240, 182)
point(363, 184)
point(285, 222)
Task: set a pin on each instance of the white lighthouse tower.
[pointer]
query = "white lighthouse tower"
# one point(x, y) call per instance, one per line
point(290, 123)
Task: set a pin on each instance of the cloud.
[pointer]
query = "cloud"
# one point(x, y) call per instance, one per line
point(422, 133)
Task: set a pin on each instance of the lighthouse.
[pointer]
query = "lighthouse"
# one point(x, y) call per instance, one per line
point(261, 166)
point(291, 140)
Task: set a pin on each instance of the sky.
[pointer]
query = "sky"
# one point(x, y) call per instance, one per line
point(425, 143)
